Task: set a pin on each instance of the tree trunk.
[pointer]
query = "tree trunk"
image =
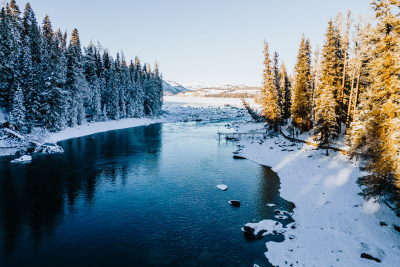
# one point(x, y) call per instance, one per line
point(350, 98)
point(356, 96)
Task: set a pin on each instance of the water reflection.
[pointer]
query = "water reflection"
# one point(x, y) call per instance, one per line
point(269, 193)
point(142, 196)
point(34, 197)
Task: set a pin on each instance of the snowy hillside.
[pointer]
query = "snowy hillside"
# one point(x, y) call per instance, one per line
point(198, 89)
point(172, 88)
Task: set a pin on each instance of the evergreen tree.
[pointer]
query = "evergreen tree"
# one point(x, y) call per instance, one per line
point(75, 83)
point(302, 88)
point(269, 92)
point(376, 129)
point(326, 110)
point(17, 116)
point(33, 39)
point(92, 78)
point(284, 86)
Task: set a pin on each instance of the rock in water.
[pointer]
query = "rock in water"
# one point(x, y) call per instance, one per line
point(222, 187)
point(238, 157)
point(235, 203)
point(23, 159)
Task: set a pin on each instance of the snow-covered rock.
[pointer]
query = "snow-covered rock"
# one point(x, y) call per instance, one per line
point(263, 228)
point(49, 149)
point(222, 187)
point(23, 159)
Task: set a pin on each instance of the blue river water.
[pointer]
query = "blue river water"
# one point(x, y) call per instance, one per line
point(143, 196)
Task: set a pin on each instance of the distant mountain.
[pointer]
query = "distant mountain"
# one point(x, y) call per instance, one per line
point(172, 88)
point(198, 89)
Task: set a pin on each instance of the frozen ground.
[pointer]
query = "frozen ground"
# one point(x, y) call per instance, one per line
point(334, 224)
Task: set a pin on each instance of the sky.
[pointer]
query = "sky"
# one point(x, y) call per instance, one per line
point(213, 41)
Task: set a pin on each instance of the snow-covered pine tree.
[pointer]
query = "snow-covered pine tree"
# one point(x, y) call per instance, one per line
point(326, 109)
point(75, 82)
point(91, 75)
point(10, 49)
point(158, 88)
point(112, 104)
point(269, 92)
point(123, 85)
point(139, 88)
point(302, 88)
point(376, 129)
point(33, 39)
point(275, 73)
point(17, 115)
point(284, 85)
point(343, 30)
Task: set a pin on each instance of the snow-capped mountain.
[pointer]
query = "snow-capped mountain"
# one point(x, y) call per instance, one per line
point(200, 89)
point(172, 88)
point(207, 85)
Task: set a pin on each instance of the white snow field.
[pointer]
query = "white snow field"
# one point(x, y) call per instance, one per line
point(334, 224)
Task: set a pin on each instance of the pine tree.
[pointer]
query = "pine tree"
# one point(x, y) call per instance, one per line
point(376, 129)
point(33, 39)
point(302, 88)
point(284, 86)
point(91, 75)
point(326, 110)
point(75, 83)
point(10, 50)
point(269, 92)
point(17, 116)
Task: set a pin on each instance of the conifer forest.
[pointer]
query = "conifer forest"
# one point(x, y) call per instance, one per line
point(48, 80)
point(351, 84)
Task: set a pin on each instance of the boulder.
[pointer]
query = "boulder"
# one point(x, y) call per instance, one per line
point(238, 157)
point(235, 203)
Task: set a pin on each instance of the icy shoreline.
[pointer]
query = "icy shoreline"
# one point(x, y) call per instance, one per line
point(98, 127)
point(335, 225)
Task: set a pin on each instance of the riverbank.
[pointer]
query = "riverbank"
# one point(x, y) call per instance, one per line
point(335, 226)
point(175, 109)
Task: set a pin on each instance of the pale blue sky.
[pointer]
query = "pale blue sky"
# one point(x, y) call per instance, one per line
point(204, 40)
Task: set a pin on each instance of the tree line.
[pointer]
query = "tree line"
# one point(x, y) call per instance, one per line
point(45, 80)
point(351, 85)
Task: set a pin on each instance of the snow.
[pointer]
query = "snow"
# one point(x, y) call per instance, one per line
point(222, 187)
point(97, 127)
point(206, 102)
point(265, 227)
point(172, 88)
point(2, 115)
point(23, 159)
point(334, 223)
point(202, 85)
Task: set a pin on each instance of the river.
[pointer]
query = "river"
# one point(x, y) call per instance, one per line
point(143, 196)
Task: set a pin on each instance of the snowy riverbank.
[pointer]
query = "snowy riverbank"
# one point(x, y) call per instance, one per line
point(175, 109)
point(335, 226)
